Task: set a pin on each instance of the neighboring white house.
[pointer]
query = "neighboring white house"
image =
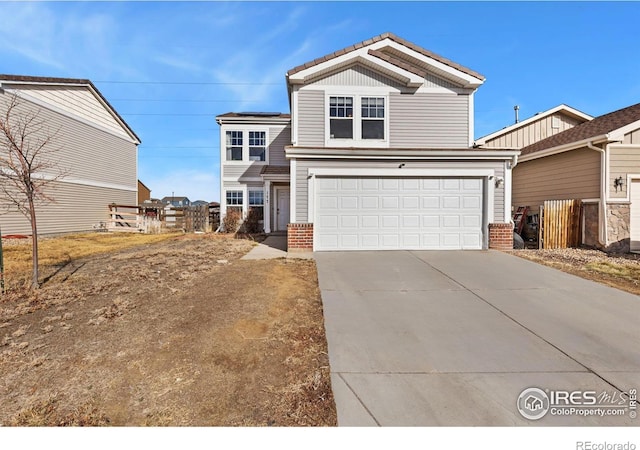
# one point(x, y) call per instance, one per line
point(98, 153)
point(377, 154)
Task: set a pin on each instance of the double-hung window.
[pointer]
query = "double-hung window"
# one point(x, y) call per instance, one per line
point(234, 145)
point(357, 118)
point(235, 200)
point(257, 145)
point(372, 116)
point(341, 117)
point(256, 203)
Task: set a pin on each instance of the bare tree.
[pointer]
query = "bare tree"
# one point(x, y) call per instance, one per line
point(27, 166)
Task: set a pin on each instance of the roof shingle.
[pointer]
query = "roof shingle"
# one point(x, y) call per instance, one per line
point(597, 127)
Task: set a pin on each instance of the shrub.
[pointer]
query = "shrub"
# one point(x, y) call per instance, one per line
point(232, 220)
point(252, 222)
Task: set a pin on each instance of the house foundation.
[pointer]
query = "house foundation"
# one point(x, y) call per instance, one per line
point(501, 236)
point(300, 237)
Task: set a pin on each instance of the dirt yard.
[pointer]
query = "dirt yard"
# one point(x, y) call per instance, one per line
point(621, 271)
point(175, 333)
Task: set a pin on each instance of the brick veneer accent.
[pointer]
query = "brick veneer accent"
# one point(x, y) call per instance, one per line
point(300, 237)
point(501, 236)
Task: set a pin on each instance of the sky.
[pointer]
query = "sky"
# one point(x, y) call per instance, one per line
point(169, 68)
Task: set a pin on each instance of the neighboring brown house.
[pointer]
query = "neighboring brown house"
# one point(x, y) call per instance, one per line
point(144, 193)
point(598, 162)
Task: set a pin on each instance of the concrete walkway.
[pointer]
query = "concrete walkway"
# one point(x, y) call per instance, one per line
point(453, 338)
point(274, 246)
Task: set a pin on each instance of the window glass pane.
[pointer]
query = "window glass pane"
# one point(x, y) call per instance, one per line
point(341, 128)
point(256, 198)
point(234, 198)
point(234, 153)
point(372, 129)
point(256, 154)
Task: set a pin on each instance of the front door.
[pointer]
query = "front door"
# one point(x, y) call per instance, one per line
point(282, 209)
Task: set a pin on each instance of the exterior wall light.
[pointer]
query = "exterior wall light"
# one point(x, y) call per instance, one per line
point(499, 182)
point(618, 183)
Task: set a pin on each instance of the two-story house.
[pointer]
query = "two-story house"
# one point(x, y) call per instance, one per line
point(376, 154)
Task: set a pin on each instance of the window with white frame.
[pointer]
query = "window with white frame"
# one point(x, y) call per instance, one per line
point(257, 145)
point(235, 200)
point(341, 117)
point(372, 116)
point(256, 203)
point(234, 145)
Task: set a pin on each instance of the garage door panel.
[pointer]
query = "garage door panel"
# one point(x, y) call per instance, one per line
point(393, 213)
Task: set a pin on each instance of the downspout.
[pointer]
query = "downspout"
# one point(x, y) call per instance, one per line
point(603, 232)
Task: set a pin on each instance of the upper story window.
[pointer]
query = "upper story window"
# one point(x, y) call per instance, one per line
point(341, 117)
point(234, 145)
point(372, 117)
point(246, 145)
point(357, 119)
point(257, 145)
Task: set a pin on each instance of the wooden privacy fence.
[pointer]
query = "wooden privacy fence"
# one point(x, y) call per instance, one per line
point(132, 219)
point(188, 218)
point(560, 224)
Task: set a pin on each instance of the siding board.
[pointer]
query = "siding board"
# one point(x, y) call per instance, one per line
point(622, 161)
point(534, 131)
point(569, 175)
point(280, 137)
point(311, 118)
point(428, 120)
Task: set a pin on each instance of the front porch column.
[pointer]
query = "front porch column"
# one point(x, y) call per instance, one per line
point(267, 207)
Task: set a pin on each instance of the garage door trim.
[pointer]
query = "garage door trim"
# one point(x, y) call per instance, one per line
point(485, 174)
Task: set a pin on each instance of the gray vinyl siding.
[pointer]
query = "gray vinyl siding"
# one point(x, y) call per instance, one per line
point(534, 132)
point(428, 120)
point(302, 166)
point(76, 208)
point(240, 171)
point(310, 118)
point(280, 137)
point(357, 76)
point(84, 152)
point(568, 175)
point(622, 161)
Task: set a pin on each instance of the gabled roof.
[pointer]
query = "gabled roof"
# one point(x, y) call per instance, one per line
point(380, 50)
point(24, 79)
point(173, 199)
point(568, 110)
point(608, 127)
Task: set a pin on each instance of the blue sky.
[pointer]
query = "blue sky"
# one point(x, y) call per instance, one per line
point(170, 67)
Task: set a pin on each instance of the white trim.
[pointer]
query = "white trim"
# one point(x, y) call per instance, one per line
point(362, 56)
point(268, 204)
point(294, 113)
point(293, 210)
point(51, 107)
point(245, 129)
point(394, 172)
point(468, 80)
point(618, 134)
point(357, 140)
point(507, 192)
point(560, 108)
point(242, 179)
point(564, 148)
point(471, 124)
point(409, 154)
point(487, 175)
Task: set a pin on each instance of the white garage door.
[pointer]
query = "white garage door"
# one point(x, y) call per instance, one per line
point(383, 213)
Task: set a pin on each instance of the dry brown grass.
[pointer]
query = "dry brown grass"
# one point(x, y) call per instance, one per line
point(59, 251)
point(615, 270)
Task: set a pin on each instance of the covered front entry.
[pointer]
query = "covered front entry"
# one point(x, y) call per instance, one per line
point(390, 213)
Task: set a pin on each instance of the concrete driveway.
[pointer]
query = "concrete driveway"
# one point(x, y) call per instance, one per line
point(453, 338)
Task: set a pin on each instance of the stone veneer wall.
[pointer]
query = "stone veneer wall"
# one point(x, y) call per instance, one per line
point(590, 216)
point(618, 219)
